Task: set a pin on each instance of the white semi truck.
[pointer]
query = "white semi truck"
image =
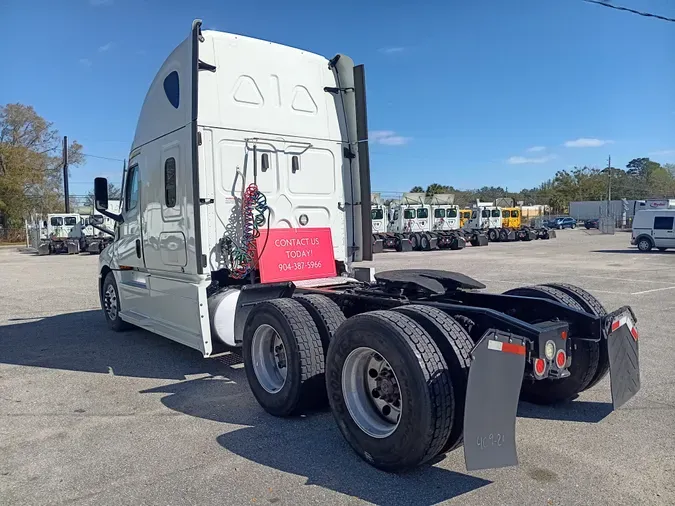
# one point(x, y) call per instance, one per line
point(245, 210)
point(64, 233)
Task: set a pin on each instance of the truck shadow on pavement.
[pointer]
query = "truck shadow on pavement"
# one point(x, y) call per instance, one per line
point(82, 341)
point(309, 445)
point(571, 411)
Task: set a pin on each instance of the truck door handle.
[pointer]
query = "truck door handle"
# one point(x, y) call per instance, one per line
point(138, 248)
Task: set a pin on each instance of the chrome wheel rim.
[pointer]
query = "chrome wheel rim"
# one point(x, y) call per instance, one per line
point(371, 392)
point(110, 301)
point(268, 355)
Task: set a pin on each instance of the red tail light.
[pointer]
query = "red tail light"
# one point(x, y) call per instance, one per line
point(539, 366)
point(560, 359)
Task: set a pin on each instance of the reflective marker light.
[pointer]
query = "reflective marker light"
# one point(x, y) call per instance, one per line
point(539, 366)
point(549, 350)
point(560, 359)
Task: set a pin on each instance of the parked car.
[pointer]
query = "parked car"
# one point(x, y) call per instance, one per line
point(592, 223)
point(567, 222)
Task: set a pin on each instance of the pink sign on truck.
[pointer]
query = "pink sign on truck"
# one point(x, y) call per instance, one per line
point(295, 254)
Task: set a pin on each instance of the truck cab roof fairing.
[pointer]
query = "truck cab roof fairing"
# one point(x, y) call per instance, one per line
point(168, 103)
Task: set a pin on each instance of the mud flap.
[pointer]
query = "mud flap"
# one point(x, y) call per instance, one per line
point(457, 242)
point(495, 378)
point(43, 249)
point(378, 245)
point(73, 247)
point(479, 240)
point(622, 348)
point(403, 244)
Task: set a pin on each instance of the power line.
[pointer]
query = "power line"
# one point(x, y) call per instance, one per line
point(103, 157)
point(633, 11)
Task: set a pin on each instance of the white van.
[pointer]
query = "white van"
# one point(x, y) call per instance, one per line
point(654, 228)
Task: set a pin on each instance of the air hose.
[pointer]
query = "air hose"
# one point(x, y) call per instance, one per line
point(253, 208)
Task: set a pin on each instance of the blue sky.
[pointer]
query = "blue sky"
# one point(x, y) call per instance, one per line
point(469, 94)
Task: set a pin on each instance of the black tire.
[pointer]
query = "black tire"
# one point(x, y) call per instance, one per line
point(415, 241)
point(645, 243)
point(112, 316)
point(585, 357)
point(423, 380)
point(492, 235)
point(503, 235)
point(425, 242)
point(326, 314)
point(455, 345)
point(304, 386)
point(595, 307)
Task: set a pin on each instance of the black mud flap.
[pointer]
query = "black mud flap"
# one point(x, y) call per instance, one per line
point(378, 245)
point(457, 242)
point(403, 244)
point(479, 240)
point(624, 362)
point(495, 378)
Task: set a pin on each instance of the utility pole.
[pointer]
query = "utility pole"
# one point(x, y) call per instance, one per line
point(609, 171)
point(65, 173)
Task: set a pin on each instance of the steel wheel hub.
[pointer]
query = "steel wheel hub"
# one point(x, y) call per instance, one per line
point(268, 355)
point(371, 392)
point(110, 301)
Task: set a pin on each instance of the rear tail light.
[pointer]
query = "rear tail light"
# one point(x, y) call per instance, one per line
point(560, 359)
point(539, 367)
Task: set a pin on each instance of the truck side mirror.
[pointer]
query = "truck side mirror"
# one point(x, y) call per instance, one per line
point(101, 193)
point(101, 199)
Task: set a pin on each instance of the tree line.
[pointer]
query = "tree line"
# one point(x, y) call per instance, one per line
point(641, 179)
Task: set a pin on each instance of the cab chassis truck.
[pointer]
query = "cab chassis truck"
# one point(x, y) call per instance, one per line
point(413, 363)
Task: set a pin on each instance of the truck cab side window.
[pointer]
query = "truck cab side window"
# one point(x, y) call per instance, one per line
point(131, 193)
point(170, 182)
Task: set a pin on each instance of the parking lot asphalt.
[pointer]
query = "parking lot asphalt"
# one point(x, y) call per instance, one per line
point(88, 416)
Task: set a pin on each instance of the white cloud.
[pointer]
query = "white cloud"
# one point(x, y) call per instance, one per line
point(583, 142)
point(388, 138)
point(536, 149)
point(85, 61)
point(98, 3)
point(391, 50)
point(105, 47)
point(663, 152)
point(519, 160)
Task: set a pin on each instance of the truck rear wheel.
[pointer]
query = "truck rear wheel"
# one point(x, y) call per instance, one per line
point(492, 235)
point(455, 345)
point(283, 357)
point(389, 390)
point(584, 354)
point(326, 314)
point(110, 301)
point(595, 307)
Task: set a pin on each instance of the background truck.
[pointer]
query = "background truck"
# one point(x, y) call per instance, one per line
point(382, 239)
point(64, 233)
point(246, 208)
